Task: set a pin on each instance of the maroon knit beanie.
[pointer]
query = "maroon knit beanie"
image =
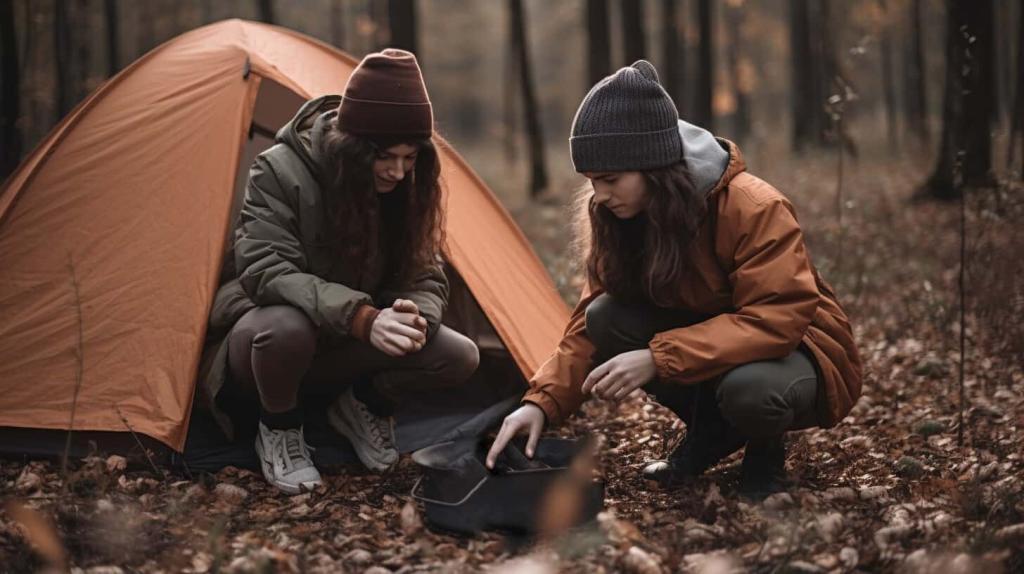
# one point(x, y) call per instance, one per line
point(385, 96)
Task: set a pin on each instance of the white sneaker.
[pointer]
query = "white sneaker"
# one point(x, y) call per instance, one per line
point(373, 437)
point(285, 459)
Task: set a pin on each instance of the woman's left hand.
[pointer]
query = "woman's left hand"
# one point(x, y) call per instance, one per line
point(616, 378)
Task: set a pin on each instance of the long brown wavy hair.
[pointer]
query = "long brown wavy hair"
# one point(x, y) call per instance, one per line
point(647, 257)
point(409, 219)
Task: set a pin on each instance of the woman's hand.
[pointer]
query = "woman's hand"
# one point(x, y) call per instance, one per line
point(619, 376)
point(528, 418)
point(399, 329)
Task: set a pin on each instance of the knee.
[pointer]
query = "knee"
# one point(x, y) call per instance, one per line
point(750, 404)
point(601, 316)
point(459, 358)
point(284, 328)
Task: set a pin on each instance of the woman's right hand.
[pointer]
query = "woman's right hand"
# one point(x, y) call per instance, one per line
point(397, 333)
point(528, 418)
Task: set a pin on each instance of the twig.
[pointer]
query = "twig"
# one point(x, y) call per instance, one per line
point(79, 370)
point(138, 441)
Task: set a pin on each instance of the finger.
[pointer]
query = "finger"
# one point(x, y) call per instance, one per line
point(531, 443)
point(624, 390)
point(608, 382)
point(504, 435)
point(402, 342)
point(390, 349)
point(421, 324)
point(406, 318)
point(595, 375)
point(408, 332)
point(404, 306)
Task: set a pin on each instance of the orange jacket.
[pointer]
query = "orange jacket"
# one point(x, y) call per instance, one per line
point(756, 278)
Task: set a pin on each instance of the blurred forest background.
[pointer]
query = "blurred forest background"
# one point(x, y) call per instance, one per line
point(885, 77)
point(895, 126)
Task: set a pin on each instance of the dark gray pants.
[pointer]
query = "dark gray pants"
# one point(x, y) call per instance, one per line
point(761, 399)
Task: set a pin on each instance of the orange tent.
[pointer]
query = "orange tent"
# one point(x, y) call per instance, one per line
point(113, 230)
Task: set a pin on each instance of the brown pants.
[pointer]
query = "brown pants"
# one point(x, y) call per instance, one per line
point(275, 352)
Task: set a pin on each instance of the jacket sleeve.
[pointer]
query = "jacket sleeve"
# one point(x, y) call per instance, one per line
point(774, 296)
point(556, 386)
point(272, 262)
point(429, 290)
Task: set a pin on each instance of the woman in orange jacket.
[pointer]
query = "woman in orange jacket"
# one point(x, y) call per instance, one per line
point(699, 291)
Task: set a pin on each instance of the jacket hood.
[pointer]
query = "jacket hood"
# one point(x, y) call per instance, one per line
point(707, 157)
point(303, 132)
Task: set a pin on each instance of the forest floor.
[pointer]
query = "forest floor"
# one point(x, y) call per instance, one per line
point(891, 488)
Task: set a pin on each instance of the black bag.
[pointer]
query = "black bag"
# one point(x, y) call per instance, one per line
point(461, 496)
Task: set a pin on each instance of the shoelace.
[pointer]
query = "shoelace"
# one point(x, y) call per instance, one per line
point(380, 427)
point(294, 448)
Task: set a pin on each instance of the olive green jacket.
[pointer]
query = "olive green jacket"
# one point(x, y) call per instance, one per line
point(281, 253)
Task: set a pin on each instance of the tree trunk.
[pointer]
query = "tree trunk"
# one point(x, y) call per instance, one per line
point(888, 77)
point(10, 76)
point(599, 55)
point(535, 139)
point(965, 150)
point(113, 37)
point(1004, 59)
point(742, 89)
point(674, 56)
point(810, 72)
point(62, 58)
point(82, 41)
point(1017, 117)
point(378, 10)
point(633, 40)
point(915, 96)
point(206, 11)
point(703, 115)
point(402, 22)
point(266, 11)
point(338, 23)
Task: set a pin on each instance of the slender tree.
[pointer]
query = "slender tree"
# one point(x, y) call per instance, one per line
point(965, 154)
point(206, 11)
point(599, 55)
point(82, 51)
point(703, 114)
point(674, 55)
point(734, 19)
point(62, 58)
point(915, 97)
point(338, 23)
point(634, 43)
point(535, 139)
point(402, 22)
point(266, 11)
point(811, 75)
point(888, 76)
point(1017, 117)
point(10, 79)
point(110, 15)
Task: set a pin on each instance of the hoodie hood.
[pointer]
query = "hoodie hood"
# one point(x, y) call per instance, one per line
point(707, 157)
point(303, 133)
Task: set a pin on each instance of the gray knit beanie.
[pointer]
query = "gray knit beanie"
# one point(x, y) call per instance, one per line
point(627, 122)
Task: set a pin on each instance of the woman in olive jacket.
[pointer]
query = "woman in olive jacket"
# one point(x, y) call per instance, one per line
point(335, 277)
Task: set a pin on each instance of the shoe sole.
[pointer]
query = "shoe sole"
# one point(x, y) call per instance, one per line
point(367, 456)
point(268, 474)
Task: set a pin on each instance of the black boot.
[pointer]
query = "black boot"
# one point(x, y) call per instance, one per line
point(709, 439)
point(764, 469)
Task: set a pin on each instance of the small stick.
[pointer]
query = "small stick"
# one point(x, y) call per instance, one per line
point(138, 441)
point(79, 370)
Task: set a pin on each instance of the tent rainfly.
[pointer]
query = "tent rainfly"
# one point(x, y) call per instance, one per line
point(113, 230)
